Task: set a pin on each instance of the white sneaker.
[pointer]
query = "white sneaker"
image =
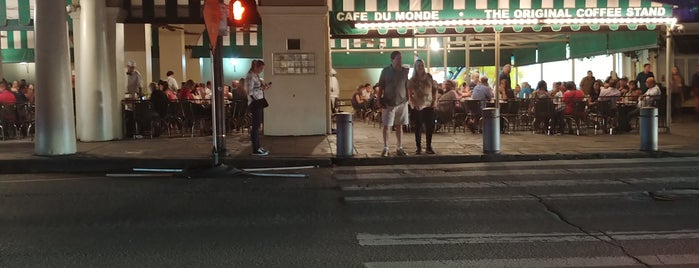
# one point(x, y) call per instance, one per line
point(384, 153)
point(260, 152)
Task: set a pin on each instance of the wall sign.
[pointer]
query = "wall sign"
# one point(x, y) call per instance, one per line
point(294, 63)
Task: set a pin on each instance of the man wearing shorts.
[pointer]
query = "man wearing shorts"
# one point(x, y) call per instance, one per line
point(393, 96)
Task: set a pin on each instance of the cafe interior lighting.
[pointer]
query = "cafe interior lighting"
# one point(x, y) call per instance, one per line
point(511, 22)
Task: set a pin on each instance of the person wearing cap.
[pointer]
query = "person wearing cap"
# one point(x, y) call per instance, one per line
point(134, 84)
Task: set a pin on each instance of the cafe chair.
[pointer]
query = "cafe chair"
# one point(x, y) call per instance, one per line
point(8, 120)
point(544, 111)
point(577, 118)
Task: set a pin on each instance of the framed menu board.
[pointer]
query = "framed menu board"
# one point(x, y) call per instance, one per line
point(294, 63)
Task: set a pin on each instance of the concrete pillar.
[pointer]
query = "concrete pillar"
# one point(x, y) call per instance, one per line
point(115, 66)
point(138, 49)
point(294, 95)
point(172, 53)
point(55, 121)
point(95, 85)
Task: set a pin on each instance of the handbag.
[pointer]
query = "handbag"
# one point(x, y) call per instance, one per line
point(259, 104)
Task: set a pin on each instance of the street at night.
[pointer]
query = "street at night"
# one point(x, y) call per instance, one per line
point(564, 213)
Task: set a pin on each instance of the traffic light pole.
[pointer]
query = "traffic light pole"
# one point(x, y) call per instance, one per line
point(217, 105)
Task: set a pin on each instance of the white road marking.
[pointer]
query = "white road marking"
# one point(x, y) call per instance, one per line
point(507, 184)
point(529, 164)
point(365, 239)
point(418, 198)
point(508, 172)
point(601, 261)
point(50, 180)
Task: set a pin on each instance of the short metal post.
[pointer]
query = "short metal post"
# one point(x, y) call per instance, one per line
point(491, 130)
point(648, 129)
point(345, 135)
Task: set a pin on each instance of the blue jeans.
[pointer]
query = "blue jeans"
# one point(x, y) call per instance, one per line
point(257, 116)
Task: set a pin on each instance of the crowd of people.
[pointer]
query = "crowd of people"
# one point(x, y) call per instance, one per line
point(423, 104)
point(238, 95)
point(19, 92)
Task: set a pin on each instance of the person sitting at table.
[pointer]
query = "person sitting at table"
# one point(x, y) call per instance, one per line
point(645, 100)
point(596, 90)
point(634, 92)
point(466, 90)
point(447, 102)
point(358, 103)
point(185, 93)
point(171, 96)
point(158, 99)
point(570, 97)
point(610, 93)
point(483, 93)
point(526, 91)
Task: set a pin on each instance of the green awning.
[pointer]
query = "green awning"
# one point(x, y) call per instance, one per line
point(587, 44)
point(525, 56)
point(552, 52)
point(632, 40)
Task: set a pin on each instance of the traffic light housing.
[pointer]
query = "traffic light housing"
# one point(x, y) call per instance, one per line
point(243, 12)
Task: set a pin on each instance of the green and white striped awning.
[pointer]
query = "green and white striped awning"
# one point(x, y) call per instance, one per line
point(238, 43)
point(391, 17)
point(17, 30)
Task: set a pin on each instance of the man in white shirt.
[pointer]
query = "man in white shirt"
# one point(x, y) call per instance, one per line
point(645, 100)
point(610, 93)
point(172, 82)
point(134, 83)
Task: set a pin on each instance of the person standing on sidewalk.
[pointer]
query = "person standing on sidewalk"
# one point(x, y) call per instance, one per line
point(643, 76)
point(393, 96)
point(134, 84)
point(423, 91)
point(256, 89)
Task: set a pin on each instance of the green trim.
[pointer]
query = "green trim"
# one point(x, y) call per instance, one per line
point(25, 15)
point(3, 13)
point(17, 55)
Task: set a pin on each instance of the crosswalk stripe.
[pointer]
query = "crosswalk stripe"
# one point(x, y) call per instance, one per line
point(517, 172)
point(551, 164)
point(365, 239)
point(512, 184)
point(601, 261)
point(441, 198)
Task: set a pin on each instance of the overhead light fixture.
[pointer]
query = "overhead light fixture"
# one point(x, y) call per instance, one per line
point(434, 44)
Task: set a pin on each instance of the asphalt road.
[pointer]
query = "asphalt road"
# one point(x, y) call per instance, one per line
point(601, 213)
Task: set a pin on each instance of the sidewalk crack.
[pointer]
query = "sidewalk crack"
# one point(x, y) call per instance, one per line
point(610, 240)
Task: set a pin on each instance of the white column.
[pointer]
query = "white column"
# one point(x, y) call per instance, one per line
point(116, 86)
point(55, 127)
point(94, 75)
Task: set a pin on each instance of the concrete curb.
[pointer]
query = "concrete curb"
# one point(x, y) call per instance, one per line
point(91, 164)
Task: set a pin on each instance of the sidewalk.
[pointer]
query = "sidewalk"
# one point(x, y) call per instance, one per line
point(17, 156)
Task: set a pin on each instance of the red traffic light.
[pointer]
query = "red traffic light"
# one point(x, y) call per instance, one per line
point(237, 10)
point(243, 12)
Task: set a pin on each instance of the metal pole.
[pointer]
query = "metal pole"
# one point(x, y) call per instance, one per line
point(648, 129)
point(668, 78)
point(491, 130)
point(497, 69)
point(217, 123)
point(444, 53)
